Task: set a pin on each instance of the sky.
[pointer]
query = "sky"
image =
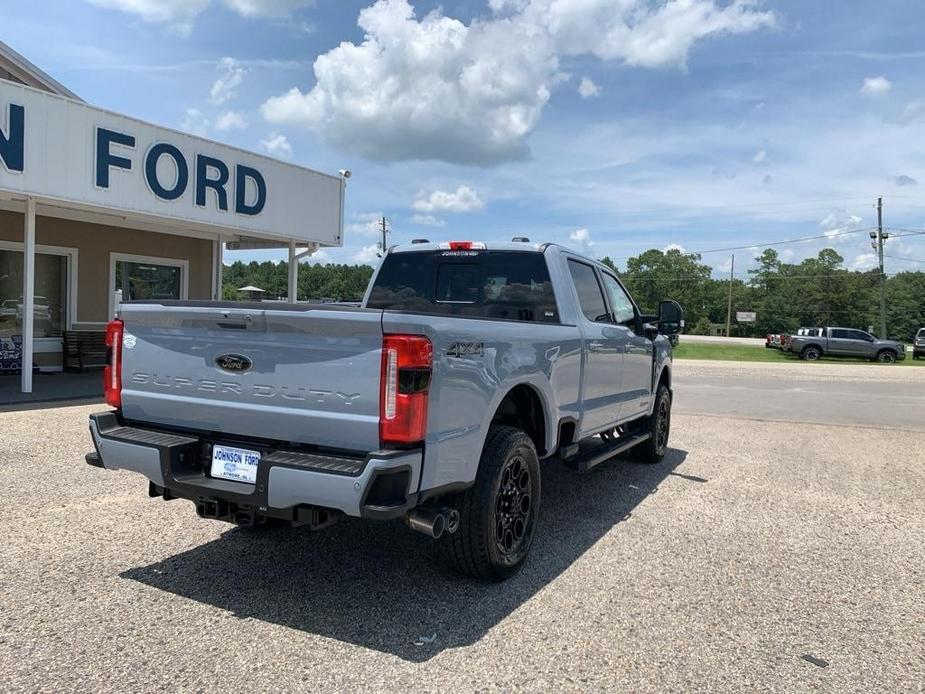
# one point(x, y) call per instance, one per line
point(611, 126)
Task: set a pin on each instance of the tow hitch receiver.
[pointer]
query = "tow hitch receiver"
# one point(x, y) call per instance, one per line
point(208, 507)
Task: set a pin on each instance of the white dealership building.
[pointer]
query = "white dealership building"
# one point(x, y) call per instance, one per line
point(95, 206)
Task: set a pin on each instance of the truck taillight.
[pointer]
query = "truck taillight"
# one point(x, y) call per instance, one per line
point(112, 373)
point(406, 367)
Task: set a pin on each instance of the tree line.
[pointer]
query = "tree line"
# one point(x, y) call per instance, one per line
point(816, 291)
point(339, 282)
point(785, 296)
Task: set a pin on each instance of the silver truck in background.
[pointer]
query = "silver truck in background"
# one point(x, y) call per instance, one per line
point(918, 344)
point(845, 342)
point(434, 401)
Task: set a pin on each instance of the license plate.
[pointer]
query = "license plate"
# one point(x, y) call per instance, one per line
point(238, 464)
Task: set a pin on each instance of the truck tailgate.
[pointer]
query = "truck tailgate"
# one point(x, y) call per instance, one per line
point(302, 374)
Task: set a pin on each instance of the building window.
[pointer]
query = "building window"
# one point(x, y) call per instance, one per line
point(140, 281)
point(143, 278)
point(51, 294)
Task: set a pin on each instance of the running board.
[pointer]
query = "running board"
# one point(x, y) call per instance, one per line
point(589, 456)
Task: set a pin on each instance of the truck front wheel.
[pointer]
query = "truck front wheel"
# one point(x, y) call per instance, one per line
point(498, 514)
point(886, 356)
point(658, 425)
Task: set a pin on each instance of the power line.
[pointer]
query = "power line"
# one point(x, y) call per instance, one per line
point(829, 235)
point(899, 257)
point(772, 278)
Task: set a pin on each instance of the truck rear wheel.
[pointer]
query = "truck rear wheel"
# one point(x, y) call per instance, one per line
point(658, 424)
point(811, 353)
point(498, 514)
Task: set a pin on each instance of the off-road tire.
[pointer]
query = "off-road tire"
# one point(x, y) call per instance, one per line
point(658, 424)
point(886, 356)
point(475, 548)
point(811, 353)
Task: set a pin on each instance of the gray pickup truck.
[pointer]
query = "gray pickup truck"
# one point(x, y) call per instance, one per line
point(434, 401)
point(845, 342)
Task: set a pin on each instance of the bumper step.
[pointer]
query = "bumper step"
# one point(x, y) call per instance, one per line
point(320, 463)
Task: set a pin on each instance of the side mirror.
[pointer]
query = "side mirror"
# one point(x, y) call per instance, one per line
point(670, 317)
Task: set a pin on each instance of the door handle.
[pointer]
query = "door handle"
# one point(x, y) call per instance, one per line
point(595, 346)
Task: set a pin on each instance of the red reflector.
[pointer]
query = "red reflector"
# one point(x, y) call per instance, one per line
point(403, 415)
point(112, 373)
point(460, 245)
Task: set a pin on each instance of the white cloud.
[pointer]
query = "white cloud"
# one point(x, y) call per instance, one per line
point(463, 199)
point(914, 112)
point(437, 88)
point(267, 8)
point(760, 156)
point(427, 220)
point(674, 247)
point(875, 86)
point(368, 255)
point(365, 224)
point(319, 257)
point(864, 261)
point(181, 14)
point(224, 87)
point(582, 239)
point(835, 225)
point(195, 122)
point(277, 145)
point(231, 120)
point(587, 88)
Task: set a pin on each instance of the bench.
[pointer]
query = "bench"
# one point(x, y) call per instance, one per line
point(84, 349)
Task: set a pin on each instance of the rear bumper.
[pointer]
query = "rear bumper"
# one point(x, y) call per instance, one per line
point(381, 485)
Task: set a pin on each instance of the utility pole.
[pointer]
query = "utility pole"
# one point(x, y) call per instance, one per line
point(384, 228)
point(729, 307)
point(881, 237)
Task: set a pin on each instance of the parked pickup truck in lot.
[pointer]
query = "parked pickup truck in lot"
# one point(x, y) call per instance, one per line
point(846, 342)
point(918, 345)
point(434, 401)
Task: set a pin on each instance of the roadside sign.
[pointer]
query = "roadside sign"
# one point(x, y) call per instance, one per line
point(746, 316)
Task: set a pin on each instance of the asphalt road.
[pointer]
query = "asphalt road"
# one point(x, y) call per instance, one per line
point(759, 555)
point(853, 394)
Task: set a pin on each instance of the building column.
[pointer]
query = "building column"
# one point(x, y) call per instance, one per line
point(28, 295)
point(218, 265)
point(293, 273)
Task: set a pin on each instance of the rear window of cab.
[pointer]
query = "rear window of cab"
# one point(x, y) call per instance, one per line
point(499, 285)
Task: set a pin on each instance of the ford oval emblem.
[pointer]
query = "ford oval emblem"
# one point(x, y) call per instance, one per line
point(235, 363)
point(230, 467)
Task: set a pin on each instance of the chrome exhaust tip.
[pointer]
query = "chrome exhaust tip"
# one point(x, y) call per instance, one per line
point(431, 522)
point(452, 521)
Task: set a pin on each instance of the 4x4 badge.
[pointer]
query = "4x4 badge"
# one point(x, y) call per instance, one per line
point(464, 349)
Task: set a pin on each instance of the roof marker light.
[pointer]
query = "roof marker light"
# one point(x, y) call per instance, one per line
point(463, 246)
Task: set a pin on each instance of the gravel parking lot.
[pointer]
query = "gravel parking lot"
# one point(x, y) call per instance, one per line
point(760, 555)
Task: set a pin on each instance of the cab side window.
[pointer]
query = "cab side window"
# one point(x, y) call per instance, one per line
point(623, 311)
point(590, 298)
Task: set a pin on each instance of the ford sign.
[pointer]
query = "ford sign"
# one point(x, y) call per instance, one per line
point(234, 363)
